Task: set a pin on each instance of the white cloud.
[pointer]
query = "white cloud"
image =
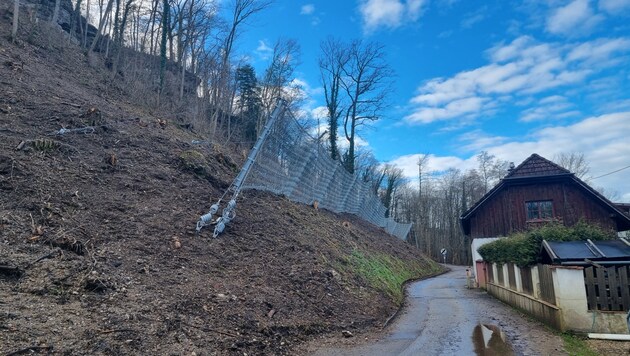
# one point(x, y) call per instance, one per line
point(434, 164)
point(344, 144)
point(599, 51)
point(576, 18)
point(320, 113)
point(477, 140)
point(546, 113)
point(263, 50)
point(518, 69)
point(614, 7)
point(307, 9)
point(319, 116)
point(389, 13)
point(414, 8)
point(474, 17)
point(455, 108)
point(603, 140)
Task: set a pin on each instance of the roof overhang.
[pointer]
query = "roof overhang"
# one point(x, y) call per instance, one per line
point(622, 220)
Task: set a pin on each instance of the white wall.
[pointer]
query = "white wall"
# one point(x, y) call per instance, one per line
point(474, 246)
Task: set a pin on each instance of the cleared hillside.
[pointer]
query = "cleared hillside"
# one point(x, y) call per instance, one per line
point(89, 262)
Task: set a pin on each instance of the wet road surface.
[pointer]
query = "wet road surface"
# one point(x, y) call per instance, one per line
point(443, 317)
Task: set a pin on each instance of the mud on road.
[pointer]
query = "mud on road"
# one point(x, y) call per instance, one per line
point(442, 316)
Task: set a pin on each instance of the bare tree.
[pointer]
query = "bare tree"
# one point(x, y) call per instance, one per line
point(369, 169)
point(101, 24)
point(575, 162)
point(491, 169)
point(242, 10)
point(423, 161)
point(393, 179)
point(119, 31)
point(165, 22)
point(87, 20)
point(331, 62)
point(367, 82)
point(278, 76)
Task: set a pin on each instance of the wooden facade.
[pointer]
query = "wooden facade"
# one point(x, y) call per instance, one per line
point(503, 210)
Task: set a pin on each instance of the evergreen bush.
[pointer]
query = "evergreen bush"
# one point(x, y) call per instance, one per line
point(523, 248)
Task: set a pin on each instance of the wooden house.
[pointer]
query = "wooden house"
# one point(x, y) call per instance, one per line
point(536, 192)
point(581, 286)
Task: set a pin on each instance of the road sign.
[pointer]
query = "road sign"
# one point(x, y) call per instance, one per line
point(443, 251)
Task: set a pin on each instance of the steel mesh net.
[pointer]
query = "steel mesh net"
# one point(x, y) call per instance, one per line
point(295, 164)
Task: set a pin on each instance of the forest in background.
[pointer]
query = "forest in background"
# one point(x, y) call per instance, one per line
point(179, 58)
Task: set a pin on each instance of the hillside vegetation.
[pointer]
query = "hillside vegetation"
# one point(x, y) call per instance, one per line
point(98, 253)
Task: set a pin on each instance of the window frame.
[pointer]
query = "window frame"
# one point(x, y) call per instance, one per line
point(540, 210)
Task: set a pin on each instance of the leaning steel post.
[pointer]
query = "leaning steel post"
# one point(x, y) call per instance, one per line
point(229, 212)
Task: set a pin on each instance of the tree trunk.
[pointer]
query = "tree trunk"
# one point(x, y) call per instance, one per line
point(76, 15)
point(16, 15)
point(87, 20)
point(181, 87)
point(101, 24)
point(120, 40)
point(55, 12)
point(165, 18)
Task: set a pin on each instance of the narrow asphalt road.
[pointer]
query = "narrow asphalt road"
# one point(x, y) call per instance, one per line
point(443, 317)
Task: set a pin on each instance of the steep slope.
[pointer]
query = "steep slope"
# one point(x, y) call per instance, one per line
point(98, 253)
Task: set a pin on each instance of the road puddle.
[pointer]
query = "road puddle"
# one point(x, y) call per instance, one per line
point(489, 340)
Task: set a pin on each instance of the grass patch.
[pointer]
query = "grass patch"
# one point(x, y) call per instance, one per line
point(387, 273)
point(576, 346)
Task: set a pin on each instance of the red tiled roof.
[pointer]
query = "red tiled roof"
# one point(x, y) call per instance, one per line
point(536, 165)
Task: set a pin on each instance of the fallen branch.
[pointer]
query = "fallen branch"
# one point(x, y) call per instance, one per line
point(70, 104)
point(30, 349)
point(44, 145)
point(206, 329)
point(48, 255)
point(87, 129)
point(115, 331)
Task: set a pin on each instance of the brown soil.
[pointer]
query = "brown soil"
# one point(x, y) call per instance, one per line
point(88, 223)
point(608, 347)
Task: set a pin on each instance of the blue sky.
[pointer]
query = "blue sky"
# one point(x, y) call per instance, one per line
point(508, 77)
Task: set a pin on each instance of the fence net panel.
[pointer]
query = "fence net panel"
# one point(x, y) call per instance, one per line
point(293, 163)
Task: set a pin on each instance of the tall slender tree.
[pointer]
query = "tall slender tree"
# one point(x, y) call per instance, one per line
point(367, 82)
point(332, 59)
point(166, 10)
point(242, 10)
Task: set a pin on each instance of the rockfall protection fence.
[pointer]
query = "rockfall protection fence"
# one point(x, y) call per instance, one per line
point(293, 163)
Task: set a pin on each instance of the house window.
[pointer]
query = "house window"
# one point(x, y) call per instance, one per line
point(539, 210)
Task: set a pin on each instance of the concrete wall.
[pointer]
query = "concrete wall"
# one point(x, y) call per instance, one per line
point(570, 311)
point(570, 291)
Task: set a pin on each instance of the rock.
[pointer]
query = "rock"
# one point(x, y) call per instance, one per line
point(346, 333)
point(333, 274)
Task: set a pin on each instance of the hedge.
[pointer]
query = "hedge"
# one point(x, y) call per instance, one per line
point(523, 249)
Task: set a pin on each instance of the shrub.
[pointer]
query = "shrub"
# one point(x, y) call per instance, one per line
point(523, 249)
